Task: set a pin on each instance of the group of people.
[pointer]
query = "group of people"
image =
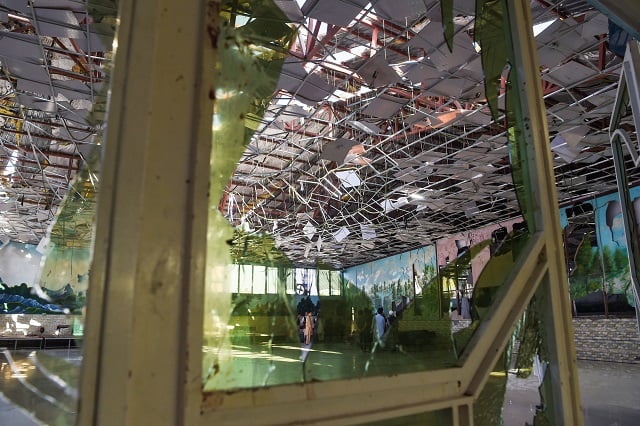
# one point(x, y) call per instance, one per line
point(383, 323)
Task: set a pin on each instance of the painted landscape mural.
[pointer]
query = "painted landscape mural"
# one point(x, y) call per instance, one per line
point(595, 248)
point(387, 281)
point(596, 252)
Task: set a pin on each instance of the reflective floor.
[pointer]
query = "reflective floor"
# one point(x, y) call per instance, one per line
point(46, 382)
point(610, 395)
point(275, 364)
point(39, 386)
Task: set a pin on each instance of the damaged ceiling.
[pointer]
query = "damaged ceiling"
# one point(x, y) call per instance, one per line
point(380, 140)
point(53, 54)
point(377, 140)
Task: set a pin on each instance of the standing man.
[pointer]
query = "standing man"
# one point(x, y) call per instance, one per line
point(381, 325)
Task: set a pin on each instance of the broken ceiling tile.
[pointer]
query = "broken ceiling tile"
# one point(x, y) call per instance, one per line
point(291, 10)
point(439, 119)
point(384, 106)
point(453, 87)
point(476, 117)
point(27, 70)
point(470, 209)
point(387, 205)
point(307, 88)
point(341, 234)
point(428, 38)
point(337, 150)
point(18, 6)
point(348, 178)
point(549, 57)
point(25, 47)
point(309, 230)
point(409, 174)
point(595, 24)
point(564, 35)
point(72, 89)
point(366, 127)
point(376, 72)
point(565, 151)
point(474, 93)
point(367, 231)
point(57, 23)
point(429, 157)
point(421, 72)
point(574, 135)
point(569, 74)
point(400, 11)
point(336, 12)
point(34, 87)
point(463, 53)
point(562, 112)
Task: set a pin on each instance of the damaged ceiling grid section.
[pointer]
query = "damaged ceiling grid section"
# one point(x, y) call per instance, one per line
point(53, 56)
point(379, 139)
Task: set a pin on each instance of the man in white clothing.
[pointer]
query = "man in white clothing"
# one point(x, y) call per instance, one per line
point(381, 325)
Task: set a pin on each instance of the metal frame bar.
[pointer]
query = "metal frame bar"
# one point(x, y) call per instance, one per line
point(629, 85)
point(142, 362)
point(628, 215)
point(554, 288)
point(624, 13)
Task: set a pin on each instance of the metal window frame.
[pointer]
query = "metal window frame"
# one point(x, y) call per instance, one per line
point(143, 343)
point(629, 84)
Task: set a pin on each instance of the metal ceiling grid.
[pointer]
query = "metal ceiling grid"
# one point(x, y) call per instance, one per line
point(385, 132)
point(378, 139)
point(53, 56)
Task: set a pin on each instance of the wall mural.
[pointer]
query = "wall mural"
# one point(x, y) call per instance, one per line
point(29, 285)
point(596, 265)
point(387, 281)
point(449, 248)
point(596, 251)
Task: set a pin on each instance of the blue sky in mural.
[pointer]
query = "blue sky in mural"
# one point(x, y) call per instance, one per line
point(609, 219)
point(610, 234)
point(391, 269)
point(608, 216)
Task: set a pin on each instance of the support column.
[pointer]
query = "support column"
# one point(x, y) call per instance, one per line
point(142, 361)
point(565, 398)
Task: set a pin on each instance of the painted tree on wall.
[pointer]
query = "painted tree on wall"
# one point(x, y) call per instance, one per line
point(608, 265)
point(432, 302)
point(581, 278)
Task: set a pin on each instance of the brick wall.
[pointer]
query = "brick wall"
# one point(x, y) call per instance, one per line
point(612, 340)
point(18, 324)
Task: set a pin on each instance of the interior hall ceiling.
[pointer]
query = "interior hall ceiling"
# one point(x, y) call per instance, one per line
point(53, 57)
point(377, 140)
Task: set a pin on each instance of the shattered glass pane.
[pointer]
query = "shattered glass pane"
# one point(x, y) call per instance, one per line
point(269, 323)
point(54, 167)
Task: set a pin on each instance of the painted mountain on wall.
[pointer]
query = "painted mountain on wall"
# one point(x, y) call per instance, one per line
point(25, 299)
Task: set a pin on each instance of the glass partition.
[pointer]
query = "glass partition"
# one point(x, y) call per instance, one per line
point(314, 160)
point(55, 77)
point(270, 322)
